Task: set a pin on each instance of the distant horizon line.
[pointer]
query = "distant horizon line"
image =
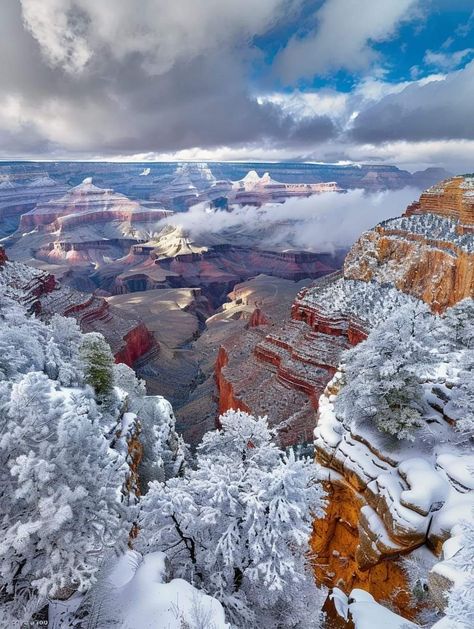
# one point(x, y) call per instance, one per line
point(340, 164)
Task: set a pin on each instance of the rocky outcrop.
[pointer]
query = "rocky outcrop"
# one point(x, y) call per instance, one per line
point(137, 342)
point(127, 336)
point(24, 284)
point(19, 194)
point(257, 318)
point(41, 293)
point(173, 259)
point(281, 371)
point(429, 252)
point(256, 190)
point(384, 502)
point(86, 204)
point(227, 396)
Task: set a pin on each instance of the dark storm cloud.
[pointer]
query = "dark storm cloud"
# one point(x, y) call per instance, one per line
point(85, 78)
point(438, 110)
point(113, 95)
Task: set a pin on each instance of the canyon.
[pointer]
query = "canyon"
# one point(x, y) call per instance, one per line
point(43, 295)
point(219, 322)
point(426, 254)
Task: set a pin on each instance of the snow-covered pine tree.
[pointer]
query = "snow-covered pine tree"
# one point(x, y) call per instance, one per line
point(164, 450)
point(383, 373)
point(238, 525)
point(459, 321)
point(461, 404)
point(61, 506)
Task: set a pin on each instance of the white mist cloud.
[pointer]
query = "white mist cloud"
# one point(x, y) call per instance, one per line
point(319, 223)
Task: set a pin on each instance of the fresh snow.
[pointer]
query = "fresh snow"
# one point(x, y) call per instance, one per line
point(140, 597)
point(366, 613)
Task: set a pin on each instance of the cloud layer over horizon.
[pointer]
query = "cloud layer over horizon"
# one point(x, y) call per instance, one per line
point(323, 80)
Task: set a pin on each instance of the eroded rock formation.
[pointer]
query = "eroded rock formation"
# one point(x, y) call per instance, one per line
point(42, 294)
point(428, 252)
point(19, 193)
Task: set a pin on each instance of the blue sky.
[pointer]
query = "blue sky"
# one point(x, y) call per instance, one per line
point(316, 80)
point(436, 26)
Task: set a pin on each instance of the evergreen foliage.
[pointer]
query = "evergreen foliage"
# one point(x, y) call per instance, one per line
point(238, 525)
point(98, 364)
point(62, 483)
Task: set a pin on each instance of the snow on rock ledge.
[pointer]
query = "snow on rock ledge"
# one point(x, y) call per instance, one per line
point(400, 498)
point(359, 610)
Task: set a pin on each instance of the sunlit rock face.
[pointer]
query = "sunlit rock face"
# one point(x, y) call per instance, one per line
point(172, 258)
point(86, 204)
point(87, 228)
point(429, 252)
point(426, 254)
point(256, 190)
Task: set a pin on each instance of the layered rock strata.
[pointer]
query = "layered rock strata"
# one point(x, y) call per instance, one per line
point(87, 203)
point(86, 228)
point(282, 371)
point(19, 194)
point(40, 293)
point(429, 252)
point(385, 501)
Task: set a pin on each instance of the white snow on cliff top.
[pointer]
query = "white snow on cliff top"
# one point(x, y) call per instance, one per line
point(370, 302)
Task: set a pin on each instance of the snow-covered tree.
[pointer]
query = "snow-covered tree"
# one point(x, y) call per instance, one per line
point(60, 507)
point(460, 609)
point(461, 404)
point(65, 342)
point(164, 451)
point(60, 481)
point(459, 320)
point(383, 373)
point(238, 525)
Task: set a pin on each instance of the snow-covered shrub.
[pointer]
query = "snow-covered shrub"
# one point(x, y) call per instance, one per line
point(238, 524)
point(460, 609)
